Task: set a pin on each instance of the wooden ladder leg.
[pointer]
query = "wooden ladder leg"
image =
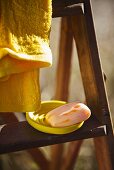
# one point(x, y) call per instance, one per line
point(92, 79)
point(64, 61)
point(63, 78)
point(104, 152)
point(62, 81)
point(71, 155)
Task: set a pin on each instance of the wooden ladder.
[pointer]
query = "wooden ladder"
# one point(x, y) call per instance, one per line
point(77, 23)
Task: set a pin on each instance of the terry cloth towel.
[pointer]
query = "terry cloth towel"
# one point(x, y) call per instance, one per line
point(24, 48)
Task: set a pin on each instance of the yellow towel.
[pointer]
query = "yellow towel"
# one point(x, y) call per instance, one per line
point(24, 48)
point(20, 92)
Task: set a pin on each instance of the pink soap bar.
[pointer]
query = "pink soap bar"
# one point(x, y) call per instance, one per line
point(68, 114)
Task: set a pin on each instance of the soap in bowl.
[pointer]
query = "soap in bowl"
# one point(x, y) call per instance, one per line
point(38, 120)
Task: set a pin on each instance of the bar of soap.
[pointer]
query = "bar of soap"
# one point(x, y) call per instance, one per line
point(68, 114)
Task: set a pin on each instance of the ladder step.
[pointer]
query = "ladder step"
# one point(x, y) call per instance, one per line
point(20, 135)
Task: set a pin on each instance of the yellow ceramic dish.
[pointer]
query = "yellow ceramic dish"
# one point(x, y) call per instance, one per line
point(37, 120)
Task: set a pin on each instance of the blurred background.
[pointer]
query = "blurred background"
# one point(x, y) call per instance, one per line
point(103, 13)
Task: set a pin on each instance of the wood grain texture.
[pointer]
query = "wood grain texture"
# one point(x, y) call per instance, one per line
point(104, 114)
point(56, 156)
point(103, 153)
point(104, 145)
point(93, 82)
point(90, 68)
point(71, 156)
point(64, 61)
point(85, 63)
point(62, 81)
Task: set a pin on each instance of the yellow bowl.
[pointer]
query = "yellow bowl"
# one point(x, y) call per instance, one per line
point(37, 120)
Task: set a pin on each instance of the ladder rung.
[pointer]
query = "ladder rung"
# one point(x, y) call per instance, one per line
point(20, 135)
point(67, 11)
